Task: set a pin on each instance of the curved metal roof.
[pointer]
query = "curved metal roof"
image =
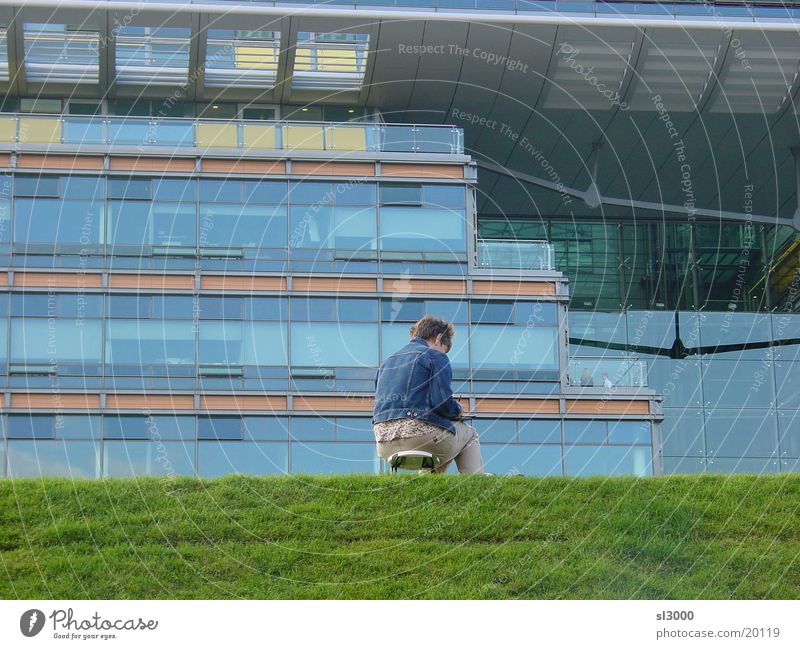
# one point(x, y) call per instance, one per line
point(698, 114)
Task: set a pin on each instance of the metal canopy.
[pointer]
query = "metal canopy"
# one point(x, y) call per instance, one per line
point(700, 114)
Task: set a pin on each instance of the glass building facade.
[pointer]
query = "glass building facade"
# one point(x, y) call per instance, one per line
point(727, 292)
point(143, 323)
point(203, 281)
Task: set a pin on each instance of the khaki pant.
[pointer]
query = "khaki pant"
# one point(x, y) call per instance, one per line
point(463, 447)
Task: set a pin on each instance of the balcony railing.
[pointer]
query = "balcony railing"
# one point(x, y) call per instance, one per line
point(225, 134)
point(515, 254)
point(606, 372)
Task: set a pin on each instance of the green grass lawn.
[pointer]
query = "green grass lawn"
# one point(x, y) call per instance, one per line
point(675, 537)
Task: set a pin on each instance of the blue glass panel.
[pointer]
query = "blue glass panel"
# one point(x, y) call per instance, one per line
point(356, 193)
point(40, 458)
point(174, 306)
point(402, 310)
point(444, 195)
point(527, 459)
point(148, 458)
point(221, 191)
point(786, 326)
point(125, 427)
point(216, 307)
point(220, 427)
point(309, 192)
point(738, 384)
point(681, 432)
point(312, 428)
point(129, 131)
point(629, 432)
point(170, 133)
point(451, 310)
point(492, 311)
point(77, 426)
point(79, 306)
point(405, 194)
point(174, 189)
point(323, 344)
point(597, 326)
point(43, 186)
point(585, 431)
point(40, 340)
point(45, 220)
point(743, 465)
point(742, 433)
point(787, 465)
point(316, 457)
point(678, 381)
point(435, 140)
point(498, 346)
point(83, 187)
point(265, 191)
point(686, 465)
point(252, 458)
point(142, 223)
point(535, 314)
point(397, 138)
point(354, 429)
point(608, 460)
point(265, 308)
point(540, 430)
point(83, 130)
point(496, 430)
point(787, 377)
point(314, 309)
point(416, 229)
point(258, 428)
point(231, 342)
point(731, 328)
point(130, 306)
point(253, 226)
point(170, 427)
point(354, 309)
point(31, 426)
point(157, 342)
point(346, 228)
point(789, 423)
point(33, 304)
point(130, 188)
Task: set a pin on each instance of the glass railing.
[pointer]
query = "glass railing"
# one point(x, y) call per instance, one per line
point(515, 254)
point(606, 372)
point(222, 134)
point(710, 8)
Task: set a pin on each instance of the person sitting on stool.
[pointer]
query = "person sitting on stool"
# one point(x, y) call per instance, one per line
point(414, 405)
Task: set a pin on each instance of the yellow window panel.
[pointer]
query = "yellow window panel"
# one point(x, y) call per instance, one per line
point(8, 129)
point(337, 61)
point(303, 137)
point(259, 136)
point(302, 58)
point(40, 131)
point(256, 58)
point(220, 136)
point(346, 138)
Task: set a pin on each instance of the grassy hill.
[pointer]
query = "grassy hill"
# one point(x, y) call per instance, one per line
point(676, 537)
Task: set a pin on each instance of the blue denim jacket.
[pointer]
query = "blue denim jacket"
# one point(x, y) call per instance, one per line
point(414, 382)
